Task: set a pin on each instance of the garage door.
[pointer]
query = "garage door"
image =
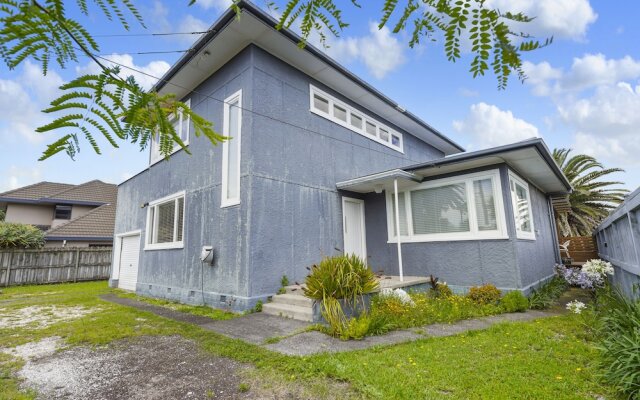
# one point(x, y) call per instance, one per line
point(129, 256)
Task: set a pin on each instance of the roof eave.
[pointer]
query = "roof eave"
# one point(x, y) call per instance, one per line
point(228, 17)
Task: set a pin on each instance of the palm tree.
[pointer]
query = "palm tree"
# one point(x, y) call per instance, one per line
point(591, 200)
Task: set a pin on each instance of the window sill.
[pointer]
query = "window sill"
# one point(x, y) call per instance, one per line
point(230, 203)
point(164, 246)
point(526, 238)
point(174, 151)
point(449, 239)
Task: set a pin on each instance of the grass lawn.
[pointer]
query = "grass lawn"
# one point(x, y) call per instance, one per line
point(544, 359)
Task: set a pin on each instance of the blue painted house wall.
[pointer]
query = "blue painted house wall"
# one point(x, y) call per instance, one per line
point(290, 213)
point(507, 263)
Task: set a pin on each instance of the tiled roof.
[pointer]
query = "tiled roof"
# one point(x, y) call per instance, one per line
point(37, 190)
point(98, 223)
point(95, 192)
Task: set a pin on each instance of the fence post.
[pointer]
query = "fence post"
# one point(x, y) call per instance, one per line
point(9, 269)
point(75, 275)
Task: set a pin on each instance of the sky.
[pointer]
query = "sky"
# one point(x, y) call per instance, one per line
point(582, 92)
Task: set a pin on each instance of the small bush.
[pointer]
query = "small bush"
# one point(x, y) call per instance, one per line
point(345, 277)
point(485, 294)
point(442, 290)
point(20, 236)
point(514, 301)
point(258, 306)
point(547, 294)
point(619, 341)
point(2, 215)
point(340, 277)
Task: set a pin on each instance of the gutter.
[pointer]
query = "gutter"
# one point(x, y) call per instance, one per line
point(538, 143)
point(247, 6)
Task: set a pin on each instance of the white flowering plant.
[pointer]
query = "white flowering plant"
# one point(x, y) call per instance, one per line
point(576, 306)
point(593, 274)
point(398, 294)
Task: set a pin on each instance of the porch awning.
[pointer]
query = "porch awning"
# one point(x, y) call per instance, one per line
point(380, 181)
point(531, 159)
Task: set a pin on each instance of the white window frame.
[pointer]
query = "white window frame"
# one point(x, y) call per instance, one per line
point(231, 201)
point(347, 124)
point(151, 230)
point(474, 233)
point(155, 155)
point(520, 234)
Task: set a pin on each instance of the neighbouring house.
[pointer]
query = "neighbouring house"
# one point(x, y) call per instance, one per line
point(71, 215)
point(316, 162)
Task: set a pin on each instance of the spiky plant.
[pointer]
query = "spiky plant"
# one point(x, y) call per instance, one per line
point(592, 199)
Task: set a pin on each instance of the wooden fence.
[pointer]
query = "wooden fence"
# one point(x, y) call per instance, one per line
point(619, 242)
point(54, 265)
point(581, 248)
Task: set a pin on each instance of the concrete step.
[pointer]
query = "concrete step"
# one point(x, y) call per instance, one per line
point(293, 299)
point(289, 311)
point(294, 289)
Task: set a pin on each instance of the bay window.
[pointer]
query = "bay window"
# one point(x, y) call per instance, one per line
point(466, 207)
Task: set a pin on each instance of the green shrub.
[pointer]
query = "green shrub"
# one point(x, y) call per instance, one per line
point(485, 294)
point(2, 215)
point(345, 278)
point(284, 282)
point(514, 301)
point(20, 236)
point(547, 294)
point(427, 309)
point(619, 341)
point(258, 306)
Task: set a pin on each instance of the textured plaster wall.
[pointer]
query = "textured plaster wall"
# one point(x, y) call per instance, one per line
point(296, 213)
point(29, 214)
point(536, 258)
point(459, 263)
point(177, 273)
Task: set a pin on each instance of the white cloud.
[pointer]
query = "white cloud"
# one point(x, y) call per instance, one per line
point(588, 71)
point(379, 51)
point(219, 5)
point(16, 177)
point(147, 76)
point(567, 19)
point(486, 126)
point(21, 102)
point(189, 23)
point(607, 123)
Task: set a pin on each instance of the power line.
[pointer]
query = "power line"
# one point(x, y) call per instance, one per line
point(241, 108)
point(151, 34)
point(150, 52)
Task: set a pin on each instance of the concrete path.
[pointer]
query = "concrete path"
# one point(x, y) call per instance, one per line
point(290, 337)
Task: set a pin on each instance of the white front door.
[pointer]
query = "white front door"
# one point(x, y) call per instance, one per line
point(128, 262)
point(353, 227)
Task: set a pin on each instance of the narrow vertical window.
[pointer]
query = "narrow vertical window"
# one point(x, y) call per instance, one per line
point(231, 150)
point(521, 202)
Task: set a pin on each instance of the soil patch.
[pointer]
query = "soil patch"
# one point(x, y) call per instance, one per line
point(39, 317)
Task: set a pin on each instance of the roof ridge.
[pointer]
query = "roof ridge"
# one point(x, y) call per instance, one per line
point(65, 190)
point(79, 218)
point(32, 185)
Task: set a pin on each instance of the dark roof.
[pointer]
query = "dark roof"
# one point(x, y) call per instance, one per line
point(96, 224)
point(536, 143)
point(90, 193)
point(36, 191)
point(267, 19)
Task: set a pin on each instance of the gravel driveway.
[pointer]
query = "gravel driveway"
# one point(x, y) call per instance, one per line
point(162, 367)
